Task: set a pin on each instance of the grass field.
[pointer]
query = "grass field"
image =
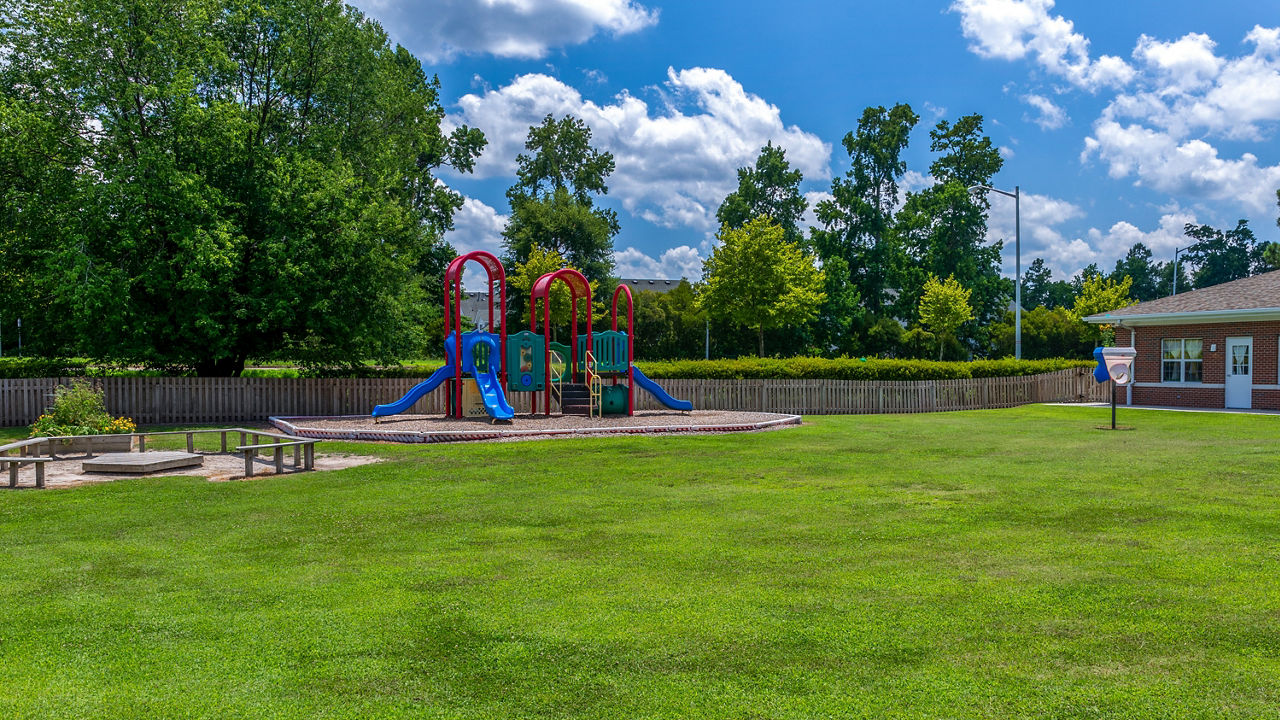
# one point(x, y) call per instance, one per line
point(1011, 563)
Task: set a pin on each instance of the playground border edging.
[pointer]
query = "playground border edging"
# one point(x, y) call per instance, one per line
point(287, 425)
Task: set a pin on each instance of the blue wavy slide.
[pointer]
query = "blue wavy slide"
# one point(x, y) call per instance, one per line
point(411, 397)
point(656, 390)
point(495, 401)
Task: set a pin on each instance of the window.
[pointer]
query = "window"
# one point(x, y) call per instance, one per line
point(1181, 360)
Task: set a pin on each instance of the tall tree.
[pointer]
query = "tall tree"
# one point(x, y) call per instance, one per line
point(758, 279)
point(857, 222)
point(944, 227)
point(1221, 256)
point(944, 307)
point(552, 201)
point(198, 182)
point(1039, 289)
point(769, 188)
point(1137, 264)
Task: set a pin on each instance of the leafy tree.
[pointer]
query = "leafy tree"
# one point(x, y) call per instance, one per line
point(1220, 256)
point(944, 227)
point(1087, 273)
point(1164, 272)
point(858, 220)
point(944, 307)
point(1136, 264)
point(1271, 256)
point(1046, 333)
point(539, 263)
point(552, 202)
point(197, 182)
point(1099, 294)
point(769, 188)
point(833, 331)
point(758, 279)
point(669, 325)
point(1040, 289)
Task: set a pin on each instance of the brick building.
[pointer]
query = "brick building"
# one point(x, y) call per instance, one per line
point(1214, 347)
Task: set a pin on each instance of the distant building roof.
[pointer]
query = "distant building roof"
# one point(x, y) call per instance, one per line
point(1251, 298)
point(654, 284)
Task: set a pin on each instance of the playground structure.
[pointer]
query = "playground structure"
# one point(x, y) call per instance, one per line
point(593, 375)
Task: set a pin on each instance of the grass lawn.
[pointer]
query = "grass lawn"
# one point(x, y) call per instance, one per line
point(1011, 563)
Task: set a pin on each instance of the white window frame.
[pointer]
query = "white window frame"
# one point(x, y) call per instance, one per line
point(1182, 362)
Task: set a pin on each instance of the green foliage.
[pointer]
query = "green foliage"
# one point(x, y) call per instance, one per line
point(811, 368)
point(1220, 256)
point(1039, 288)
point(79, 409)
point(770, 188)
point(857, 222)
point(1099, 294)
point(758, 279)
point(668, 325)
point(1144, 274)
point(38, 367)
point(539, 263)
point(944, 227)
point(944, 307)
point(1046, 333)
point(1271, 256)
point(551, 201)
point(263, 180)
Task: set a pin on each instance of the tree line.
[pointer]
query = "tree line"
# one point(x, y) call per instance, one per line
point(192, 184)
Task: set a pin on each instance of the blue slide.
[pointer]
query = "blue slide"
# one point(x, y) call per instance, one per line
point(490, 386)
point(656, 390)
point(416, 393)
point(488, 382)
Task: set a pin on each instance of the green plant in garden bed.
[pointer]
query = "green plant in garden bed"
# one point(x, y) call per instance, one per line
point(79, 409)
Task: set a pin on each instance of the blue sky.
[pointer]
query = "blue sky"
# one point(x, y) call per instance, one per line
point(1121, 122)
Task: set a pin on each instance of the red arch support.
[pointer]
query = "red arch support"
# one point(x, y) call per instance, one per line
point(631, 342)
point(541, 290)
point(453, 313)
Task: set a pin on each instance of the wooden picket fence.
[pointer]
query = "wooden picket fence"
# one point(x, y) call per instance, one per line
point(183, 400)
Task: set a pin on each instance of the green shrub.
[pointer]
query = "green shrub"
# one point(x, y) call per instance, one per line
point(849, 369)
point(79, 409)
point(36, 367)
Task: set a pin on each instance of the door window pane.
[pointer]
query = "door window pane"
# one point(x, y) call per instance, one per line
point(1239, 359)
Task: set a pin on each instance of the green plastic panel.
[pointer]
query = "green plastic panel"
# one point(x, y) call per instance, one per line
point(610, 350)
point(526, 362)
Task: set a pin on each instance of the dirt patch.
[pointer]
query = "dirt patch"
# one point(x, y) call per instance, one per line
point(218, 467)
point(437, 428)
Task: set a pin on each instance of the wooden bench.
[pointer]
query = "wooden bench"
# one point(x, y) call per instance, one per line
point(14, 463)
point(306, 447)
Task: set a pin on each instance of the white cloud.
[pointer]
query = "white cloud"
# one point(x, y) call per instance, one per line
point(1191, 168)
point(443, 29)
point(1042, 236)
point(476, 226)
point(1186, 63)
point(1050, 116)
point(1014, 29)
point(675, 163)
point(675, 263)
point(1161, 241)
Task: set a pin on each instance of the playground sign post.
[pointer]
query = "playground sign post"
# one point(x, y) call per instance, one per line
point(1114, 364)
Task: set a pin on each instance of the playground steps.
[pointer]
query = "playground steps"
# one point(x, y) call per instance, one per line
point(576, 399)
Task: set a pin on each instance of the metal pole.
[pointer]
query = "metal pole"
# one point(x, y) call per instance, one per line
point(1017, 272)
point(1175, 267)
point(19, 337)
point(707, 353)
point(1113, 404)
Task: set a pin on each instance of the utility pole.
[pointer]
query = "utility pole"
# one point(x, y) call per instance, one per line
point(1175, 267)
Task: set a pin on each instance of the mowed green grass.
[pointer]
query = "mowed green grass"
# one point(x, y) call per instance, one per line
point(1011, 563)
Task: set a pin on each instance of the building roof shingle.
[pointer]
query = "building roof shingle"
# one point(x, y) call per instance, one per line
point(1259, 292)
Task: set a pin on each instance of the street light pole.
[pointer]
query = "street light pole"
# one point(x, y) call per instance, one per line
point(1175, 267)
point(1017, 261)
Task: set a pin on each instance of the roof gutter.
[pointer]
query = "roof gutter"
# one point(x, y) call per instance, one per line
point(1186, 318)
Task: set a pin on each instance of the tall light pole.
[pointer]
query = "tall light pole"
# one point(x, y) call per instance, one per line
point(1175, 267)
point(1017, 261)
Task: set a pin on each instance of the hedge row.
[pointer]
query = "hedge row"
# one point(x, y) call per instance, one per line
point(850, 369)
point(803, 368)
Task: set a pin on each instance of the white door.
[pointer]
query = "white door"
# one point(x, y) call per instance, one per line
point(1239, 372)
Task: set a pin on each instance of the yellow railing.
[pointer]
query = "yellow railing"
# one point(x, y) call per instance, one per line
point(557, 378)
point(596, 385)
